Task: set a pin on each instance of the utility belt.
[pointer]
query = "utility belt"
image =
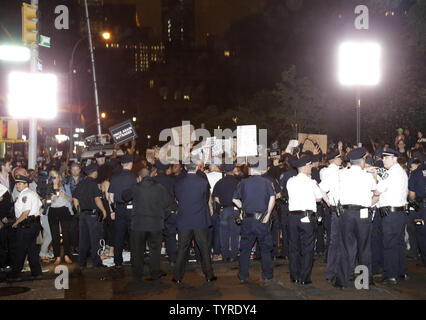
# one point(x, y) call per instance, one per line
point(384, 211)
point(29, 221)
point(94, 212)
point(259, 216)
point(353, 207)
point(306, 213)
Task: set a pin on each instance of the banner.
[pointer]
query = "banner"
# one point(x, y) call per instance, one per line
point(246, 141)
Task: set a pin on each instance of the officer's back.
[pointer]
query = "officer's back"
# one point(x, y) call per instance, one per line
point(165, 180)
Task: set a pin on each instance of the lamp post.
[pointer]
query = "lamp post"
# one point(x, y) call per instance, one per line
point(359, 65)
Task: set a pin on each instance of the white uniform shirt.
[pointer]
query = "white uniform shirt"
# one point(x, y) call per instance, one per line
point(330, 183)
point(213, 178)
point(355, 187)
point(15, 193)
point(27, 200)
point(394, 189)
point(303, 193)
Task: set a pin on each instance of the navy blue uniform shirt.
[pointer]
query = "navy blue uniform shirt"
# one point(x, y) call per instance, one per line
point(284, 179)
point(86, 192)
point(417, 182)
point(270, 177)
point(254, 192)
point(120, 182)
point(224, 189)
point(192, 193)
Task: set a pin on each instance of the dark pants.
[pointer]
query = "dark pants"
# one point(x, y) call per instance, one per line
point(170, 232)
point(334, 247)
point(138, 240)
point(356, 239)
point(229, 233)
point(251, 229)
point(275, 229)
point(320, 231)
point(302, 242)
point(90, 234)
point(377, 244)
point(327, 229)
point(60, 216)
point(214, 234)
point(184, 240)
point(421, 233)
point(7, 245)
point(284, 230)
point(109, 228)
point(412, 236)
point(74, 231)
point(395, 263)
point(26, 244)
point(121, 232)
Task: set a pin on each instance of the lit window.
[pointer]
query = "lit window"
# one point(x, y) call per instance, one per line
point(186, 97)
point(393, 13)
point(386, 14)
point(106, 45)
point(151, 84)
point(227, 53)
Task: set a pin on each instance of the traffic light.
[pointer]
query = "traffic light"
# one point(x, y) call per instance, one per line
point(29, 23)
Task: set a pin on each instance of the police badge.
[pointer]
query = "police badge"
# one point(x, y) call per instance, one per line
point(24, 199)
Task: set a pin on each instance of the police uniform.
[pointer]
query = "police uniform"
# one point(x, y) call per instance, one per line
point(417, 184)
point(283, 214)
point(90, 228)
point(214, 232)
point(229, 231)
point(170, 230)
point(27, 231)
point(193, 220)
point(393, 198)
point(303, 193)
point(355, 194)
point(123, 181)
point(255, 193)
point(105, 170)
point(329, 184)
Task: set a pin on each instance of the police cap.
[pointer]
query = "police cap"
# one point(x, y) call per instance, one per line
point(333, 154)
point(369, 161)
point(303, 161)
point(23, 179)
point(228, 167)
point(316, 158)
point(419, 155)
point(100, 154)
point(357, 153)
point(126, 158)
point(161, 166)
point(390, 152)
point(90, 168)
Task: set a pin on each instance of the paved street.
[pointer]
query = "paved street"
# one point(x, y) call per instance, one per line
point(112, 284)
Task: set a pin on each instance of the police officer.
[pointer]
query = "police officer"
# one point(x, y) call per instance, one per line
point(170, 230)
point(87, 197)
point(193, 220)
point(417, 192)
point(123, 181)
point(303, 194)
point(27, 211)
point(256, 196)
point(290, 172)
point(104, 169)
point(229, 232)
point(329, 184)
point(393, 193)
point(355, 194)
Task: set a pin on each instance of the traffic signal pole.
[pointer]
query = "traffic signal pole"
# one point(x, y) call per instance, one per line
point(32, 138)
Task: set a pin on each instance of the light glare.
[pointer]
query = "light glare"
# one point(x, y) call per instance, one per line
point(14, 53)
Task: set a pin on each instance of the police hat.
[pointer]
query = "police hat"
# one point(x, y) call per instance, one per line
point(23, 179)
point(369, 161)
point(390, 152)
point(357, 153)
point(126, 158)
point(378, 153)
point(333, 154)
point(100, 154)
point(303, 161)
point(90, 168)
point(228, 167)
point(161, 166)
point(316, 158)
point(419, 155)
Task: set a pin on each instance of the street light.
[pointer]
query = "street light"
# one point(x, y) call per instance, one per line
point(15, 53)
point(103, 115)
point(106, 35)
point(359, 64)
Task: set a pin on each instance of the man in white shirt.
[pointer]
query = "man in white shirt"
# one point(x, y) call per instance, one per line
point(355, 194)
point(303, 194)
point(27, 211)
point(330, 185)
point(393, 193)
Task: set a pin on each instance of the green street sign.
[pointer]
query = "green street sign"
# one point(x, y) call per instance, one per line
point(44, 41)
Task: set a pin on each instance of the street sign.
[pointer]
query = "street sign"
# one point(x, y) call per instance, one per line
point(123, 132)
point(44, 41)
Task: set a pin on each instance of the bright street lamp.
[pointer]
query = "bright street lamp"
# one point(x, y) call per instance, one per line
point(103, 115)
point(359, 64)
point(15, 53)
point(106, 35)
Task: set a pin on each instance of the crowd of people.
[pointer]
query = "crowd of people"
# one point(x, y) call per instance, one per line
point(350, 205)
